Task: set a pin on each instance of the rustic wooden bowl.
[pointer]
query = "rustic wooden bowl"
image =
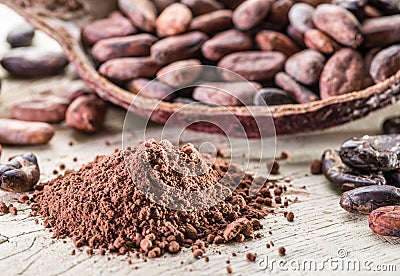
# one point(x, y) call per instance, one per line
point(62, 19)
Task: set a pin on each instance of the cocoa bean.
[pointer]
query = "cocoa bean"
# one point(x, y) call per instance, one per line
point(86, 113)
point(372, 12)
point(317, 40)
point(385, 63)
point(275, 41)
point(75, 89)
point(250, 13)
point(15, 132)
point(47, 109)
point(212, 22)
point(180, 73)
point(162, 4)
point(178, 47)
point(115, 25)
point(385, 221)
point(298, 92)
point(356, 7)
point(232, 4)
point(142, 13)
point(295, 35)
point(200, 7)
point(315, 3)
point(226, 93)
point(31, 62)
point(151, 89)
point(387, 6)
point(279, 13)
point(253, 65)
point(338, 23)
point(174, 20)
point(300, 17)
point(343, 73)
point(125, 69)
point(225, 43)
point(129, 46)
point(382, 31)
point(21, 35)
point(272, 96)
point(305, 66)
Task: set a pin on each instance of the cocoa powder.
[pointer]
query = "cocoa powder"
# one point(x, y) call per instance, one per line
point(101, 206)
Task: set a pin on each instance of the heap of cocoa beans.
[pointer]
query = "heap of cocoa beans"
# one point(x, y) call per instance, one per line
point(291, 51)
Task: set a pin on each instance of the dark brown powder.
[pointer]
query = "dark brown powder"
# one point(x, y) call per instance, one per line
point(100, 205)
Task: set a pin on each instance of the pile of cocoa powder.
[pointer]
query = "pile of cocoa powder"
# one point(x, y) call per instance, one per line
point(100, 206)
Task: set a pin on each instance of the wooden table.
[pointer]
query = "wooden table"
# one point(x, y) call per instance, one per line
point(322, 234)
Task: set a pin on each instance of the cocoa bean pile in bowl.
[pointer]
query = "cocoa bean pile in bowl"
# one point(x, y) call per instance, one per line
point(315, 63)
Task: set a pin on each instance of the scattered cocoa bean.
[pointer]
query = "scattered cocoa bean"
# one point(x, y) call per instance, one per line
point(21, 35)
point(31, 62)
point(298, 92)
point(317, 40)
point(180, 73)
point(305, 66)
point(15, 132)
point(178, 47)
point(151, 89)
point(272, 96)
point(142, 13)
point(129, 46)
point(86, 114)
point(385, 63)
point(275, 41)
point(226, 43)
point(174, 20)
point(338, 23)
point(343, 73)
point(252, 65)
point(250, 13)
point(212, 22)
point(115, 25)
point(301, 17)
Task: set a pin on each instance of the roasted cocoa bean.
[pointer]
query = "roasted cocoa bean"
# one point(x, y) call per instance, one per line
point(226, 93)
point(275, 41)
point(385, 63)
point(212, 22)
point(142, 13)
point(20, 174)
point(252, 65)
point(199, 7)
point(338, 23)
point(343, 73)
point(381, 31)
point(298, 92)
point(391, 125)
point(272, 96)
point(226, 43)
point(250, 13)
point(129, 46)
point(174, 20)
point(21, 35)
point(180, 73)
point(125, 69)
point(317, 40)
point(301, 17)
point(178, 47)
point(305, 66)
point(115, 25)
point(385, 221)
point(279, 13)
point(86, 113)
point(344, 177)
point(151, 89)
point(372, 153)
point(31, 62)
point(364, 200)
point(392, 178)
point(47, 109)
point(15, 132)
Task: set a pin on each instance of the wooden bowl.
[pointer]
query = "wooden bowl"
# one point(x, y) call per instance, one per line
point(62, 20)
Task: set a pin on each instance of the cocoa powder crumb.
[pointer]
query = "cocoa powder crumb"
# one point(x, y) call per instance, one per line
point(55, 172)
point(316, 166)
point(273, 166)
point(62, 166)
point(267, 245)
point(75, 159)
point(70, 143)
point(23, 198)
point(251, 257)
point(229, 270)
point(282, 251)
point(72, 252)
point(3, 208)
point(290, 216)
point(206, 259)
point(271, 243)
point(284, 155)
point(13, 211)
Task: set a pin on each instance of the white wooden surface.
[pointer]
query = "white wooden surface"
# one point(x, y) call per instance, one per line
point(321, 230)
